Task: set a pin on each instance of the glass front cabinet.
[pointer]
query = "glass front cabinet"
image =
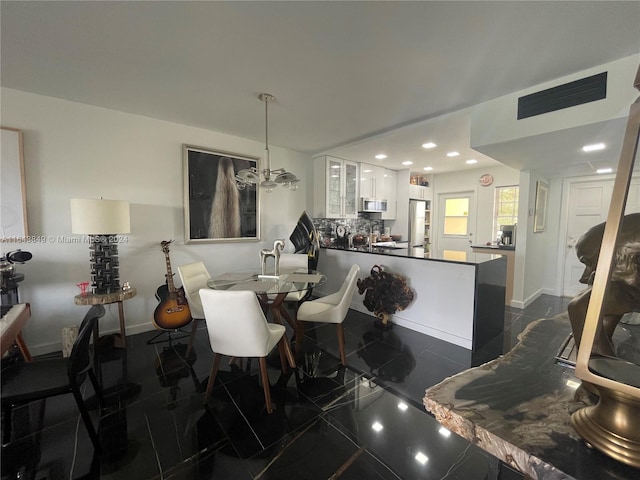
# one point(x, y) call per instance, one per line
point(336, 188)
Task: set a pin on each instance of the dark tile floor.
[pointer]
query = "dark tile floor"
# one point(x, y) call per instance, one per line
point(365, 421)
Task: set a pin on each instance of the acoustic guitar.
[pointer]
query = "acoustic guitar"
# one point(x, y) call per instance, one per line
point(173, 311)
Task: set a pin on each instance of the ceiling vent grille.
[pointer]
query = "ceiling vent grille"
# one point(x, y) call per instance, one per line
point(570, 94)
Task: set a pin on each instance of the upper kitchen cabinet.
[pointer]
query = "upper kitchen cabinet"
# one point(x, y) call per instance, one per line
point(381, 184)
point(335, 194)
point(370, 176)
point(419, 192)
point(419, 188)
point(390, 193)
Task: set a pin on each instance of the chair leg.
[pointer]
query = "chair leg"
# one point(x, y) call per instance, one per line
point(265, 383)
point(212, 376)
point(287, 350)
point(192, 336)
point(86, 418)
point(283, 360)
point(343, 356)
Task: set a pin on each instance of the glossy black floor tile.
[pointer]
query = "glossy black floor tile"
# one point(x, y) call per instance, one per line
point(365, 420)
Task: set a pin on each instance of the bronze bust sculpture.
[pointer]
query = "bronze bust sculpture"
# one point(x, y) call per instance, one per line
point(623, 295)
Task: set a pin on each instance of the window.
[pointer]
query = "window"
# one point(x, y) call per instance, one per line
point(506, 203)
point(456, 216)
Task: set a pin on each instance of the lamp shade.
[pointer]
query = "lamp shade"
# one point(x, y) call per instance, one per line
point(93, 217)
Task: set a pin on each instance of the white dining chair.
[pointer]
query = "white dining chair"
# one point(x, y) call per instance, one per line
point(332, 308)
point(238, 328)
point(194, 276)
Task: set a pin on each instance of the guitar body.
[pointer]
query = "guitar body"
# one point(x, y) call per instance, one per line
point(173, 311)
point(162, 293)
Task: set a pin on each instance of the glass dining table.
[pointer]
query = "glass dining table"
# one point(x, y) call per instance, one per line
point(272, 290)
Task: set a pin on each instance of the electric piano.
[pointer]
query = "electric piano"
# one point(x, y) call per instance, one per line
point(13, 319)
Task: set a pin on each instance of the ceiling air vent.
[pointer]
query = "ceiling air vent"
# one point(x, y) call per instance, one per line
point(568, 95)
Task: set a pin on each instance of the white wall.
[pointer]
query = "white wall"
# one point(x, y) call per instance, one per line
point(469, 180)
point(77, 150)
point(496, 121)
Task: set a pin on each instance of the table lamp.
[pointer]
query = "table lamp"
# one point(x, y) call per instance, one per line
point(102, 220)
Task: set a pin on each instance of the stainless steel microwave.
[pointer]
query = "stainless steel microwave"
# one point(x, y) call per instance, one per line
point(372, 205)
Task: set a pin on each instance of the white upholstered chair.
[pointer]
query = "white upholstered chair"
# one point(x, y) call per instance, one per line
point(332, 308)
point(193, 276)
point(238, 328)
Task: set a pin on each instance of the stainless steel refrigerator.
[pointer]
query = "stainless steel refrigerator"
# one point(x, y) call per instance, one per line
point(417, 213)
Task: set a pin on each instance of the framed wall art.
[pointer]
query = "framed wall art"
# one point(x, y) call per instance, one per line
point(215, 209)
point(13, 198)
point(540, 216)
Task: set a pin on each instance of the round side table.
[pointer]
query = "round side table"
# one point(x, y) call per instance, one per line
point(105, 299)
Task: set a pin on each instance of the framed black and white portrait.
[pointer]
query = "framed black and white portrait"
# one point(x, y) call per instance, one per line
point(215, 209)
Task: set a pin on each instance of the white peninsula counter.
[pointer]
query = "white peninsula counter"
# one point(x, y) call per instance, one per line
point(460, 301)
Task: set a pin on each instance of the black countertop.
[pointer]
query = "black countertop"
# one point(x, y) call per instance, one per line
point(470, 258)
point(495, 247)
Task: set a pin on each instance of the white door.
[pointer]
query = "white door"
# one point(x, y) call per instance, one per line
point(589, 206)
point(456, 225)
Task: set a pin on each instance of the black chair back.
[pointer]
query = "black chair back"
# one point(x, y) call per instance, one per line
point(81, 358)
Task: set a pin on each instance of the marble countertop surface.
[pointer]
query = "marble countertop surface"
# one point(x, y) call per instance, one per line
point(518, 407)
point(465, 257)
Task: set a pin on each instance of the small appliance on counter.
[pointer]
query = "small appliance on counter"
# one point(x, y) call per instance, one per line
point(508, 235)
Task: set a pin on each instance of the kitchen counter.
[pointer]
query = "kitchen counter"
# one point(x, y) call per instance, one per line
point(459, 296)
point(510, 252)
point(464, 257)
point(495, 247)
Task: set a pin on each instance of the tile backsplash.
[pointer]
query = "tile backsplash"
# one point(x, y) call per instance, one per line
point(326, 227)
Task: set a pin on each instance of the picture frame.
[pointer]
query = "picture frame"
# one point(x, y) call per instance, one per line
point(215, 208)
point(13, 197)
point(540, 216)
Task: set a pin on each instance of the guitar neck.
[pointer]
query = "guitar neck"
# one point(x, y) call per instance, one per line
point(170, 285)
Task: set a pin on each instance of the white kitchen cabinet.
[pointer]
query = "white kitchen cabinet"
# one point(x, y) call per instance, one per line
point(336, 188)
point(370, 176)
point(420, 193)
point(390, 193)
point(381, 184)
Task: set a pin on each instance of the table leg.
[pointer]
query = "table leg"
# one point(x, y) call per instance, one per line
point(123, 338)
point(23, 347)
point(279, 310)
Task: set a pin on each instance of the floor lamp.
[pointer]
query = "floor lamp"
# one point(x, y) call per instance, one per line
point(102, 220)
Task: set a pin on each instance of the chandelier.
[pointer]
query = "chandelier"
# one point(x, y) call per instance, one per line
point(271, 177)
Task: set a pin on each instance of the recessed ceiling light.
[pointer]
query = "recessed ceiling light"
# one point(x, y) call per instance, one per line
point(593, 147)
point(368, 170)
point(422, 458)
point(604, 170)
point(471, 161)
point(428, 169)
point(402, 406)
point(381, 156)
point(445, 432)
point(377, 426)
point(407, 162)
point(453, 154)
point(429, 145)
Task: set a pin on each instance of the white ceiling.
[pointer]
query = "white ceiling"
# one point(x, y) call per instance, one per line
point(367, 76)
